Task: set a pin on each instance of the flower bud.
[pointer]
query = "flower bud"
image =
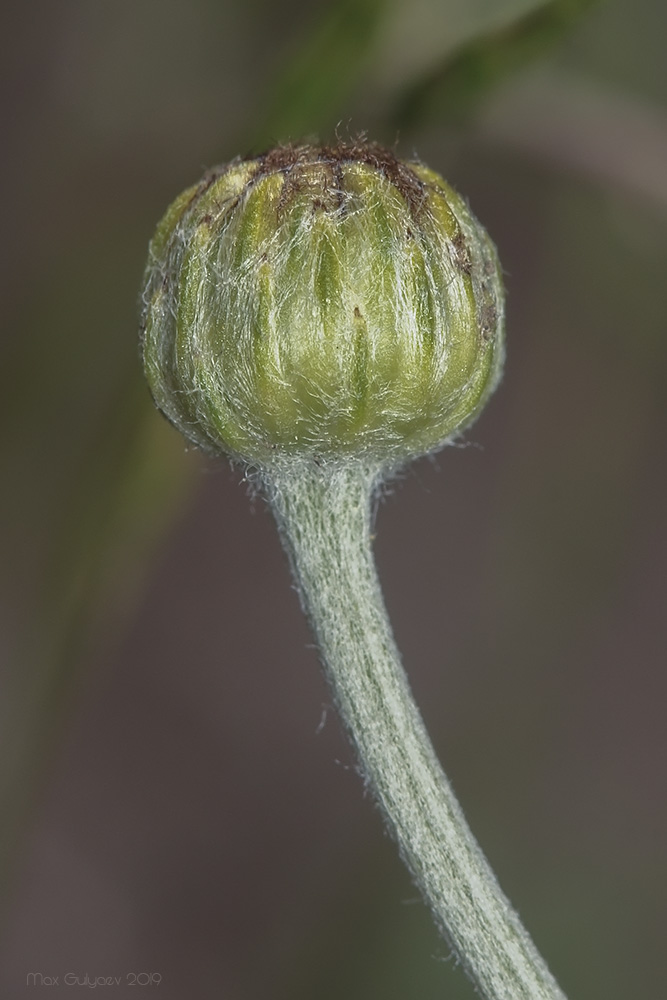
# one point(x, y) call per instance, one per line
point(322, 301)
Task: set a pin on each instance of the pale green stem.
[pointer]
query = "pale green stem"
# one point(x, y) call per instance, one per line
point(324, 516)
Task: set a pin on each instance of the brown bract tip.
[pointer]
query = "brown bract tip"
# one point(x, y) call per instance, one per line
point(290, 158)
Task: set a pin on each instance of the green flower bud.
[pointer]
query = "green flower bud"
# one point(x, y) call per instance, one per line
point(322, 301)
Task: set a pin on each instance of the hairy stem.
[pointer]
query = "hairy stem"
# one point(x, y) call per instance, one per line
point(324, 516)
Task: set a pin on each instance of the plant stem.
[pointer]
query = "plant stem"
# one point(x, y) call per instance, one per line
point(324, 517)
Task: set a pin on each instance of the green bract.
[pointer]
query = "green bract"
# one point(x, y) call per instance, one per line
point(322, 301)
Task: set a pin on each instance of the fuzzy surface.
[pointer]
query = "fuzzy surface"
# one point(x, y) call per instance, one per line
point(324, 516)
point(322, 300)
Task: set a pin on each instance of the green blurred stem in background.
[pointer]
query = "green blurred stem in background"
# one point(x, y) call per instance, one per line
point(313, 85)
point(452, 91)
point(324, 517)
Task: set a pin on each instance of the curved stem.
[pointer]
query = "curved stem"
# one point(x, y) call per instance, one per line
point(324, 516)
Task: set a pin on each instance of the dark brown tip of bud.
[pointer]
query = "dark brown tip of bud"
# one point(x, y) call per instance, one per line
point(291, 157)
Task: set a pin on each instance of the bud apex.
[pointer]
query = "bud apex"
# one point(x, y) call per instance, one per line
point(322, 301)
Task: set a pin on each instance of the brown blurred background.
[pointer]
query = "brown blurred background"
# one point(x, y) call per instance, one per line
point(177, 796)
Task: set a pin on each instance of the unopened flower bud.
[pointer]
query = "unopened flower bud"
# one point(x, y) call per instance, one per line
point(322, 301)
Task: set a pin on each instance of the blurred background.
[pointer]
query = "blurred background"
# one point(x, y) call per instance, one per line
point(177, 798)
